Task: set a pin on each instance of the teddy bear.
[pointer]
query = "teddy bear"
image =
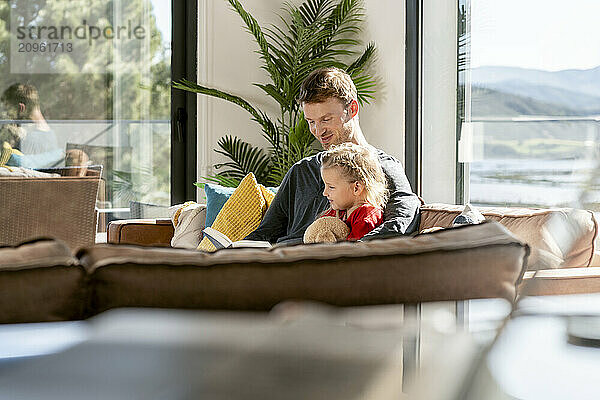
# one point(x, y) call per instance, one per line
point(326, 230)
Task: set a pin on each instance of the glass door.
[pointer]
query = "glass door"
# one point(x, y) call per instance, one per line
point(87, 83)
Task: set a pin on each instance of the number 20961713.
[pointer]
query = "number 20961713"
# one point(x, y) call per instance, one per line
point(46, 47)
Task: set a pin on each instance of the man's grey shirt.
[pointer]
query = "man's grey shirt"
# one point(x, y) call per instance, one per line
point(299, 201)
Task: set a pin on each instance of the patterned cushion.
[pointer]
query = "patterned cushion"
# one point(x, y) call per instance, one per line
point(188, 222)
point(217, 195)
point(242, 213)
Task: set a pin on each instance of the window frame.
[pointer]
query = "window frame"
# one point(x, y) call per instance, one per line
point(184, 105)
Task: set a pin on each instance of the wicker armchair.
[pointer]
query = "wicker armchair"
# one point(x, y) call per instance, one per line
point(61, 207)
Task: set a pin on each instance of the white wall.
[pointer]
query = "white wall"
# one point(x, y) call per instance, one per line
point(439, 101)
point(227, 61)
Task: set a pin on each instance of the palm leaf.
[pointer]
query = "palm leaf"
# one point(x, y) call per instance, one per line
point(269, 129)
point(365, 88)
point(314, 11)
point(190, 86)
point(361, 62)
point(254, 28)
point(275, 93)
point(244, 157)
point(343, 20)
point(220, 179)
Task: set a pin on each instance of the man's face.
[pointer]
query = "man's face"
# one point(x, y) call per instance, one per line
point(328, 122)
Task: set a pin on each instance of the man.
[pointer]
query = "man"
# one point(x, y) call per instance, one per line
point(36, 141)
point(329, 100)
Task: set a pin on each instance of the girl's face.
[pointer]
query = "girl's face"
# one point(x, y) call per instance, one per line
point(341, 194)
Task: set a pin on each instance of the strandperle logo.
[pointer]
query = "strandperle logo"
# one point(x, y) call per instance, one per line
point(83, 31)
point(94, 42)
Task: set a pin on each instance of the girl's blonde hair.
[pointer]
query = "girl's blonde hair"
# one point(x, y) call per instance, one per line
point(359, 164)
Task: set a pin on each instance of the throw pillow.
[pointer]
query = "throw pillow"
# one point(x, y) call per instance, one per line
point(6, 153)
point(188, 221)
point(469, 216)
point(241, 213)
point(217, 196)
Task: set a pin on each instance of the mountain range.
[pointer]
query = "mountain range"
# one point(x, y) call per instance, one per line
point(512, 91)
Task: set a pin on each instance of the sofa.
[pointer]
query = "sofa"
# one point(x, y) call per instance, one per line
point(550, 271)
point(507, 256)
point(43, 280)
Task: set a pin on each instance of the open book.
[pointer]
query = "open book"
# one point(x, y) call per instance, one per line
point(220, 240)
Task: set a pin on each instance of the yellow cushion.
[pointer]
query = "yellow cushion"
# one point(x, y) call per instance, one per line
point(267, 194)
point(242, 212)
point(6, 152)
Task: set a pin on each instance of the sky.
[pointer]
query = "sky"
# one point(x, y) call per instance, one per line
point(162, 13)
point(550, 35)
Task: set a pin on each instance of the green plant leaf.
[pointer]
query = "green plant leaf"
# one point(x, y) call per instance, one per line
point(272, 91)
point(315, 34)
point(256, 31)
point(361, 62)
point(220, 179)
point(245, 158)
point(314, 11)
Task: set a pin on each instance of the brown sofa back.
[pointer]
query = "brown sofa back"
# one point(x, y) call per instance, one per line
point(470, 262)
point(41, 281)
point(529, 225)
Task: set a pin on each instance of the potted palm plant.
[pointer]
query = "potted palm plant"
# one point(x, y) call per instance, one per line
point(315, 34)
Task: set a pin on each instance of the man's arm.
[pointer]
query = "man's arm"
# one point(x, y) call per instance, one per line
point(401, 214)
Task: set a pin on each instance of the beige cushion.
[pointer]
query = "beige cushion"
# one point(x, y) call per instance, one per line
point(529, 226)
point(474, 261)
point(40, 281)
point(188, 222)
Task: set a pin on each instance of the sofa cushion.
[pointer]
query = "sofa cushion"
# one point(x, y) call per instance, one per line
point(529, 225)
point(217, 196)
point(475, 261)
point(188, 222)
point(40, 281)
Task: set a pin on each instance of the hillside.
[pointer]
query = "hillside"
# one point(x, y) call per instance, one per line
point(560, 93)
point(487, 102)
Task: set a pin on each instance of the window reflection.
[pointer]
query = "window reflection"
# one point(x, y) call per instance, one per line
point(89, 84)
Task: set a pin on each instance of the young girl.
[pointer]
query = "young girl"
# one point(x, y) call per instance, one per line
point(355, 186)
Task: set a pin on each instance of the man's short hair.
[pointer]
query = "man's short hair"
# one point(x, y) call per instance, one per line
point(22, 93)
point(325, 83)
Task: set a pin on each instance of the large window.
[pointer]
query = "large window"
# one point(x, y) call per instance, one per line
point(88, 83)
point(529, 101)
